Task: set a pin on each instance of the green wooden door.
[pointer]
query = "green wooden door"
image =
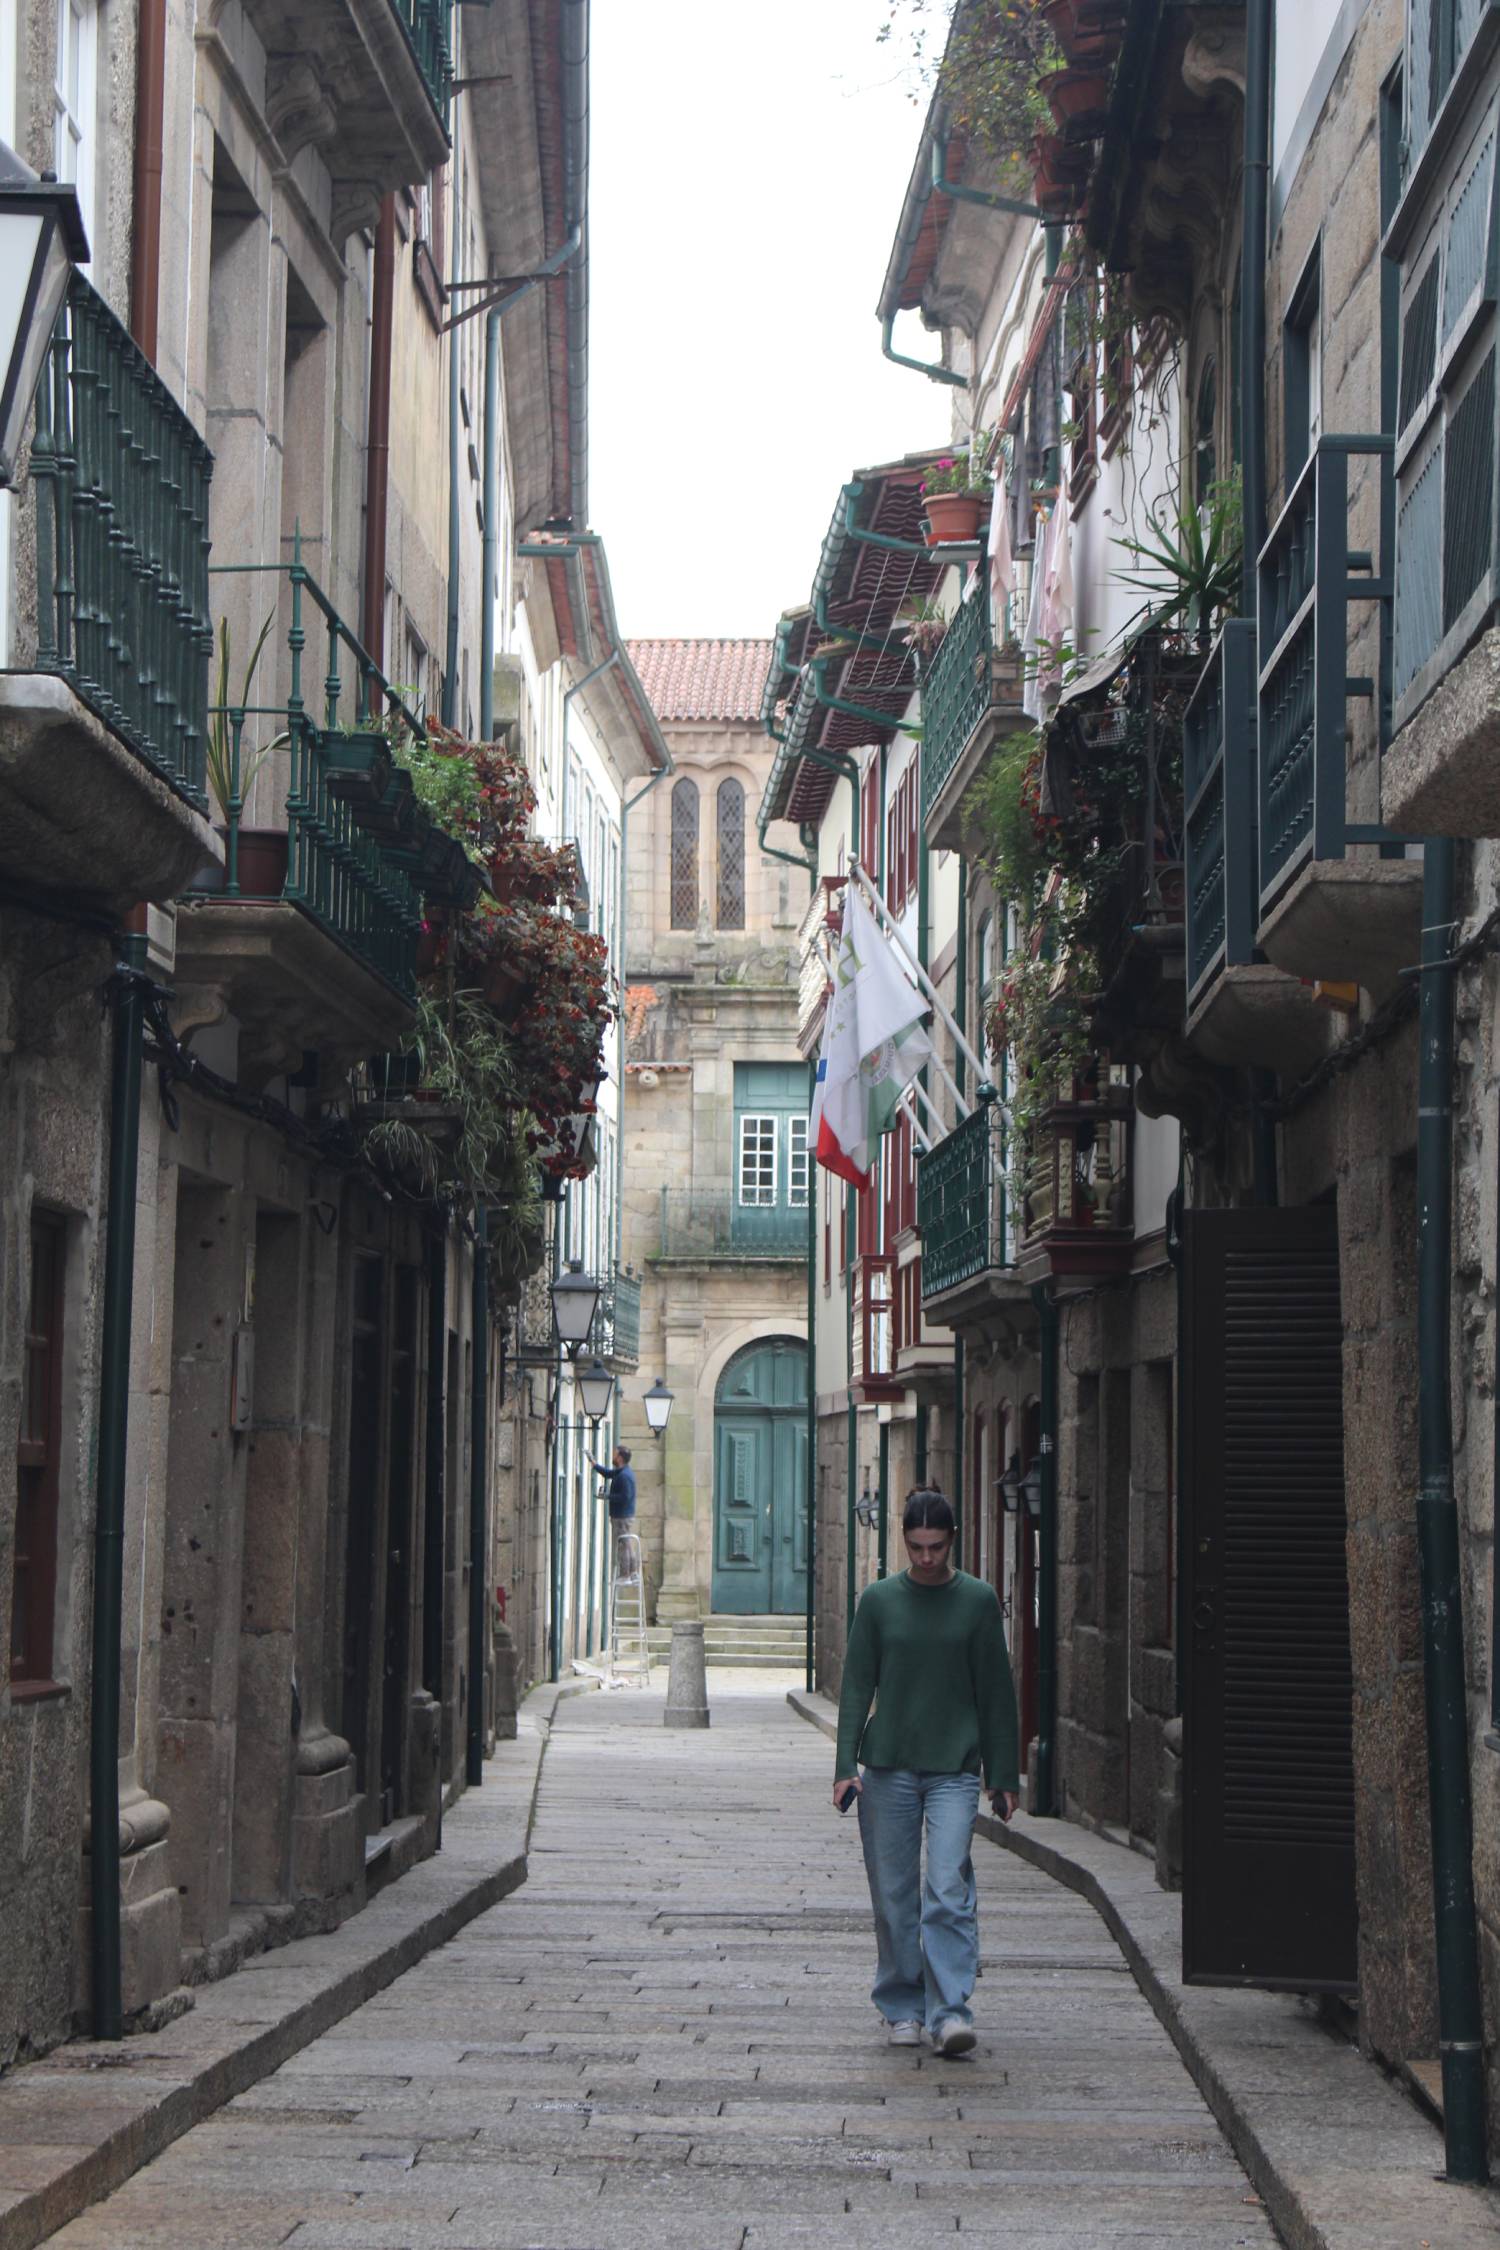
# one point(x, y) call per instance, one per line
point(760, 1482)
point(769, 1212)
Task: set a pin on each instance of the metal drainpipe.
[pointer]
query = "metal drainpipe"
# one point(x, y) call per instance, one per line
point(1460, 2008)
point(851, 1259)
point(145, 232)
point(455, 551)
point(1046, 1748)
point(960, 974)
point(432, 1516)
point(491, 549)
point(885, 1492)
point(1253, 448)
point(627, 807)
point(479, 1446)
point(378, 447)
point(128, 1007)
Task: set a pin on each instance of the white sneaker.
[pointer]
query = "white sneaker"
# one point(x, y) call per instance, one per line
point(907, 2033)
point(950, 2035)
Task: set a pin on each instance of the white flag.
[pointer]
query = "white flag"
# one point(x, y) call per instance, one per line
point(873, 1047)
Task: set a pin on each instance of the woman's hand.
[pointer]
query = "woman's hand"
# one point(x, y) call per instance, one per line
point(841, 1791)
point(1004, 1802)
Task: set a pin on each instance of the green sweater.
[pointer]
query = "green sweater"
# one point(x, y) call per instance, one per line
point(933, 1661)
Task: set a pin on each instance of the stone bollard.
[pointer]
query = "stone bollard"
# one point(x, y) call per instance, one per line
point(687, 1689)
point(506, 1683)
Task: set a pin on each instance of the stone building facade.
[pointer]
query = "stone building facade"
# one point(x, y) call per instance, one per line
point(1211, 1307)
point(715, 1168)
point(257, 1396)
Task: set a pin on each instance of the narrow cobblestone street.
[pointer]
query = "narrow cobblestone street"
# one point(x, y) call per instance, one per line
point(664, 2041)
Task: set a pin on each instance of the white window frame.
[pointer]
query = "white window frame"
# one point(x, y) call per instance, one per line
point(758, 1138)
point(797, 1171)
point(75, 97)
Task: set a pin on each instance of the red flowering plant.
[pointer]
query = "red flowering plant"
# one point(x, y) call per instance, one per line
point(557, 973)
point(494, 818)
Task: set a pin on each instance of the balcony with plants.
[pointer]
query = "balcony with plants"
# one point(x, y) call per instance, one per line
point(378, 77)
point(971, 696)
point(104, 721)
point(966, 1217)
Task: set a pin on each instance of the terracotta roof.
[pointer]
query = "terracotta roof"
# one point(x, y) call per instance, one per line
point(702, 679)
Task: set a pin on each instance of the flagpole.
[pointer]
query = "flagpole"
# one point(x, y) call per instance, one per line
point(915, 1121)
point(924, 981)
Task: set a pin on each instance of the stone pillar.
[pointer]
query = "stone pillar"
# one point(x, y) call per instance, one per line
point(327, 1838)
point(202, 1577)
point(687, 1685)
point(684, 1503)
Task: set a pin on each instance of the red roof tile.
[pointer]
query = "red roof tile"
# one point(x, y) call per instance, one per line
point(702, 679)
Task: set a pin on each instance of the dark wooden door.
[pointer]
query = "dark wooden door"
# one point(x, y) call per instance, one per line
point(1268, 1844)
point(1025, 1625)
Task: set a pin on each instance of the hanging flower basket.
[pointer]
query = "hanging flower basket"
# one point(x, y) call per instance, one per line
point(505, 989)
point(1087, 31)
point(952, 516)
point(358, 771)
point(1059, 174)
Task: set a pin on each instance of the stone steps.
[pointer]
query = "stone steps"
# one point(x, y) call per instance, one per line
point(765, 1642)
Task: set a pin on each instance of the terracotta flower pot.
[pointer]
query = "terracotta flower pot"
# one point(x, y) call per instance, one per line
point(1085, 30)
point(260, 869)
point(952, 516)
point(1078, 99)
point(1059, 175)
point(505, 990)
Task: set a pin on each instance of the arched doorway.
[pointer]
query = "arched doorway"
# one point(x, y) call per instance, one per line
point(760, 1481)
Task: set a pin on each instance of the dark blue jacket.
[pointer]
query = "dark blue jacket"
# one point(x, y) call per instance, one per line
point(621, 1489)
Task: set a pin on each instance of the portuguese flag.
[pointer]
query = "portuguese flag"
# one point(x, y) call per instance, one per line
point(873, 1047)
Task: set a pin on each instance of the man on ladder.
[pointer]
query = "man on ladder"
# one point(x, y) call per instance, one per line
point(627, 1616)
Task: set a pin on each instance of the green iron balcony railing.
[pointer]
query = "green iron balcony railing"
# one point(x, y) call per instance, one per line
point(429, 27)
point(962, 1208)
point(1218, 763)
point(122, 483)
point(955, 693)
point(617, 1323)
point(1308, 576)
point(356, 857)
point(705, 1225)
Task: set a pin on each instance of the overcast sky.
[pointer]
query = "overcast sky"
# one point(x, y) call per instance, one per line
point(746, 177)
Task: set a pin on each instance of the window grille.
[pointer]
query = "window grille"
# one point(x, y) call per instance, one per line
point(731, 811)
point(685, 855)
point(757, 1162)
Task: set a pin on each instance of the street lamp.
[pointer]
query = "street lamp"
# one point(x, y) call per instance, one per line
point(1017, 1491)
point(596, 1387)
point(658, 1405)
point(41, 240)
point(1010, 1485)
point(1031, 1490)
point(574, 1297)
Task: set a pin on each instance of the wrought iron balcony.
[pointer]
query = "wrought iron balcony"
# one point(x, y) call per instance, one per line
point(962, 1205)
point(617, 1322)
point(429, 26)
point(1218, 757)
point(1307, 577)
point(955, 694)
point(122, 483)
point(702, 1224)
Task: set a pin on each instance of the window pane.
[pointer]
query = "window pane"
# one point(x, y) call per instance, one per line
point(797, 1162)
point(731, 901)
point(685, 855)
point(757, 1161)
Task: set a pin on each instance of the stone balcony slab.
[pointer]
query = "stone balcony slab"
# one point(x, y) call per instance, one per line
point(289, 985)
point(83, 813)
point(1258, 1017)
point(1441, 774)
point(1348, 921)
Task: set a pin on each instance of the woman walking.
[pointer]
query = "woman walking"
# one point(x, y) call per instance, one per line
point(928, 1651)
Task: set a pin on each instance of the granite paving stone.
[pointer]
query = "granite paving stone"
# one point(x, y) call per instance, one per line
point(665, 2042)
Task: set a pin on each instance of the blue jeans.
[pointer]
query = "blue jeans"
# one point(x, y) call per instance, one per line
point(926, 1932)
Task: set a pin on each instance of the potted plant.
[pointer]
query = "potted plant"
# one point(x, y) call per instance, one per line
point(1059, 174)
point(1085, 30)
point(922, 628)
point(955, 493)
point(255, 858)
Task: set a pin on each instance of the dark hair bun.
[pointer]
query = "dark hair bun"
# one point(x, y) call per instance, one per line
point(927, 1509)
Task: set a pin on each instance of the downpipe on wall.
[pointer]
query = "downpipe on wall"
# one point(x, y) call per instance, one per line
point(434, 1451)
point(1460, 2004)
point(127, 1002)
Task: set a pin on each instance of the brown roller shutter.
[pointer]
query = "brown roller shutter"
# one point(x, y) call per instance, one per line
point(1268, 1844)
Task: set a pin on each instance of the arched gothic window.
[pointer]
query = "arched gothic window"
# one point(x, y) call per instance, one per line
point(731, 816)
point(685, 855)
